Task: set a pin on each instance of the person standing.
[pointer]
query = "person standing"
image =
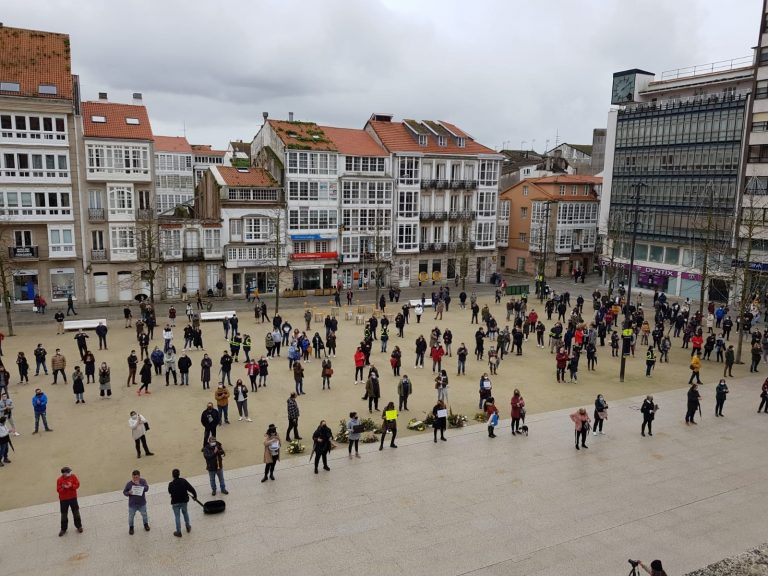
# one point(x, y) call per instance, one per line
point(67, 485)
point(169, 359)
point(59, 365)
point(6, 411)
point(440, 420)
point(323, 442)
point(326, 371)
point(272, 446)
point(493, 417)
point(390, 425)
point(105, 387)
point(601, 414)
point(139, 426)
point(648, 410)
point(241, 399)
point(40, 353)
point(763, 398)
point(59, 317)
point(214, 463)
point(222, 402)
point(373, 391)
point(650, 361)
point(145, 375)
point(226, 367)
point(5, 442)
point(89, 360)
point(40, 406)
point(293, 418)
point(210, 420)
point(70, 305)
point(298, 377)
point(77, 386)
point(82, 344)
point(720, 393)
point(580, 420)
point(205, 371)
point(695, 369)
point(694, 398)
point(517, 411)
point(354, 431)
point(180, 489)
point(730, 359)
point(128, 315)
point(101, 332)
point(23, 365)
point(404, 390)
point(136, 491)
point(184, 363)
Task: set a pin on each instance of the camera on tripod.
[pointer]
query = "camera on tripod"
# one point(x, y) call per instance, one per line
point(633, 563)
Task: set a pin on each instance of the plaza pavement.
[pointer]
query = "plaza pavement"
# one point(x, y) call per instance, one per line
point(534, 506)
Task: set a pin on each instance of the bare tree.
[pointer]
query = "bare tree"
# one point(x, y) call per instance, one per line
point(378, 249)
point(617, 224)
point(274, 254)
point(150, 246)
point(7, 268)
point(463, 251)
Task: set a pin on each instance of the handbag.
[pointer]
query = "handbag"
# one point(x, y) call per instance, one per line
point(146, 426)
point(358, 429)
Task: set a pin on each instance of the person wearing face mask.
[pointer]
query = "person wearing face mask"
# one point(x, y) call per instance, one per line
point(139, 426)
point(210, 420)
point(205, 371)
point(272, 445)
point(323, 442)
point(214, 463)
point(601, 414)
point(40, 406)
point(67, 485)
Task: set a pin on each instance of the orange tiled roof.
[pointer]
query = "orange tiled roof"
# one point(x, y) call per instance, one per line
point(246, 177)
point(302, 135)
point(549, 188)
point(397, 138)
point(172, 144)
point(354, 142)
point(32, 58)
point(205, 149)
point(116, 125)
point(568, 179)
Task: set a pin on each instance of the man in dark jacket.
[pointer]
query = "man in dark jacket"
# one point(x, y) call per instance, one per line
point(293, 418)
point(214, 463)
point(184, 363)
point(323, 439)
point(210, 420)
point(101, 332)
point(180, 489)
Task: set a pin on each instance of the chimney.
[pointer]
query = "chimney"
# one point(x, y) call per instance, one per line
point(103, 96)
point(137, 98)
point(290, 116)
point(265, 115)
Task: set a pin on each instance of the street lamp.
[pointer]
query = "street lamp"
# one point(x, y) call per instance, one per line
point(543, 261)
point(627, 329)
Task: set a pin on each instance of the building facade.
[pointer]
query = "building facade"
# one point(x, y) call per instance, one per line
point(552, 224)
point(675, 142)
point(174, 176)
point(445, 200)
point(39, 211)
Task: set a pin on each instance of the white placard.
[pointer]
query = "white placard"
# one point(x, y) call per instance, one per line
point(442, 413)
point(486, 384)
point(137, 490)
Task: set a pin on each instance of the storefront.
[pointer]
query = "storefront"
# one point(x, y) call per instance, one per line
point(313, 270)
point(62, 284)
point(25, 285)
point(652, 278)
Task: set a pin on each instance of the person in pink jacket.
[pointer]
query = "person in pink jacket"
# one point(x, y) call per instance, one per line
point(581, 422)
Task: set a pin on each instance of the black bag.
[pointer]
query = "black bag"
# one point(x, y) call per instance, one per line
point(146, 426)
point(358, 429)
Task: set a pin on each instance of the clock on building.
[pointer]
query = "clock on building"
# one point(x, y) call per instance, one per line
point(623, 90)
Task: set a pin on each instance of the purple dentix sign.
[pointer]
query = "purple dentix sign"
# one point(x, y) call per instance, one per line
point(648, 269)
point(690, 276)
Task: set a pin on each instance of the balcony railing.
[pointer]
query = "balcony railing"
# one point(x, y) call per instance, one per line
point(462, 215)
point(144, 214)
point(213, 253)
point(97, 214)
point(442, 184)
point(99, 256)
point(23, 252)
point(192, 254)
point(427, 215)
point(437, 246)
point(423, 246)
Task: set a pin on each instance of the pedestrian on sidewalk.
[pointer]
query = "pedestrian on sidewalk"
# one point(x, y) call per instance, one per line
point(139, 426)
point(70, 305)
point(145, 375)
point(23, 365)
point(59, 365)
point(293, 418)
point(354, 431)
point(222, 402)
point(136, 490)
point(648, 410)
point(601, 414)
point(180, 489)
point(272, 446)
point(59, 317)
point(693, 403)
point(40, 406)
point(67, 485)
point(77, 386)
point(214, 463)
point(241, 399)
point(517, 411)
point(6, 411)
point(440, 421)
point(763, 398)
point(389, 425)
point(323, 443)
point(720, 393)
point(580, 420)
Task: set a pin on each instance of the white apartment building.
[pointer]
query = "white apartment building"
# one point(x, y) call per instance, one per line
point(117, 196)
point(38, 186)
point(174, 177)
point(204, 156)
point(446, 201)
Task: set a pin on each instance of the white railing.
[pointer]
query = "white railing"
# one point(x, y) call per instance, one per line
point(699, 69)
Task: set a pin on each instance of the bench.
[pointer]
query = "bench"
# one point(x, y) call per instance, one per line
point(319, 317)
point(205, 316)
point(427, 303)
point(84, 324)
point(334, 311)
point(348, 315)
point(359, 319)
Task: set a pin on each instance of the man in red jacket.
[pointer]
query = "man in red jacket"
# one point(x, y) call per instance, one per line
point(67, 486)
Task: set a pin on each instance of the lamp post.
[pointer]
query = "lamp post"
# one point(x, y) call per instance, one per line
point(627, 327)
point(543, 267)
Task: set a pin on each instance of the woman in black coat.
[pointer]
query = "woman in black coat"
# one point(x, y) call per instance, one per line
point(323, 442)
point(146, 376)
point(440, 422)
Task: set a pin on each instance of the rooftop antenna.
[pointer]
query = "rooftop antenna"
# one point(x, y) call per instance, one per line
point(184, 127)
point(557, 138)
point(533, 144)
point(546, 145)
point(522, 144)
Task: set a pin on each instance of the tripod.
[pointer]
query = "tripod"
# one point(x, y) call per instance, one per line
point(635, 570)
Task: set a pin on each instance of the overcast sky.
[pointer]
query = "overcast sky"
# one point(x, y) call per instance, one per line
point(504, 71)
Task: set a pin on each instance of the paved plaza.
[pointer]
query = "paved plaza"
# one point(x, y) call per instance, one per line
point(690, 495)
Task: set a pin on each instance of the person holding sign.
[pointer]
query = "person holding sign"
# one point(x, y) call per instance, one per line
point(390, 425)
point(136, 490)
point(354, 431)
point(271, 452)
point(441, 417)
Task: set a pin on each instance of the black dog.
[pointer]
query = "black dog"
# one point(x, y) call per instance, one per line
point(523, 430)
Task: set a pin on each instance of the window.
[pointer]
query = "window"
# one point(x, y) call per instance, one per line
point(523, 237)
point(422, 140)
point(257, 229)
point(486, 203)
point(562, 190)
point(236, 230)
point(97, 240)
point(574, 190)
point(41, 202)
point(301, 247)
point(364, 164)
point(461, 142)
point(489, 173)
point(656, 254)
point(212, 241)
point(132, 121)
point(485, 236)
point(586, 190)
point(407, 204)
point(116, 158)
point(525, 190)
point(321, 163)
point(758, 153)
point(313, 219)
point(407, 237)
point(9, 87)
point(672, 256)
point(47, 89)
point(442, 141)
point(98, 119)
point(763, 56)
point(123, 240)
point(170, 242)
point(409, 170)
point(270, 195)
point(61, 241)
point(524, 212)
point(504, 207)
point(120, 200)
point(40, 166)
point(22, 238)
point(762, 89)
